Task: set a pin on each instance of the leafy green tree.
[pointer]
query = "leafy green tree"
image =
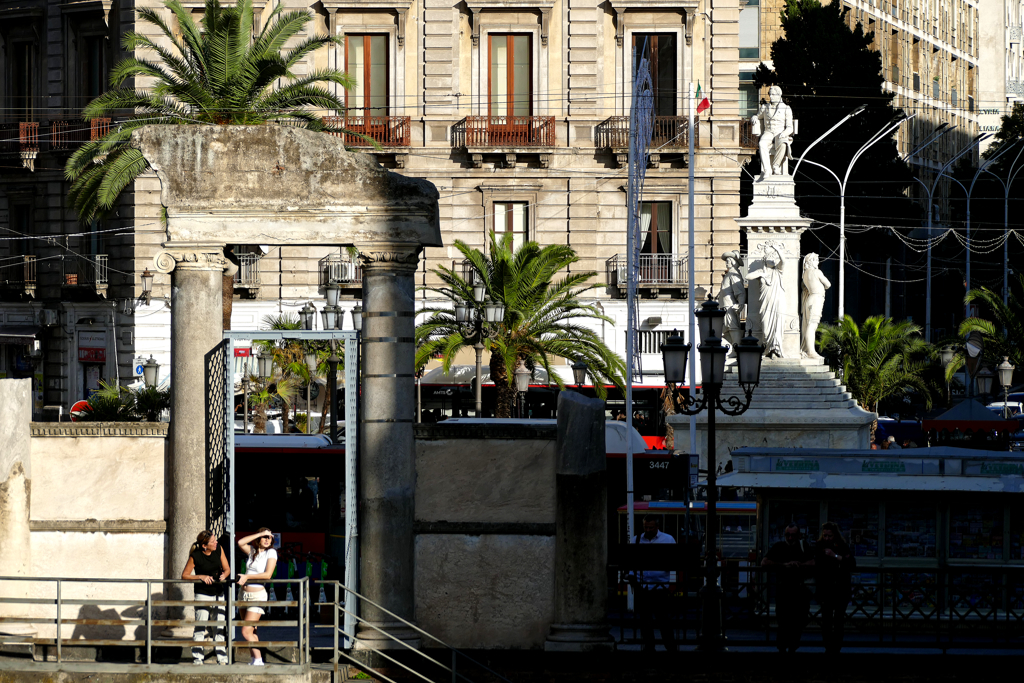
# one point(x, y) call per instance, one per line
point(543, 315)
point(880, 359)
point(216, 73)
point(114, 403)
point(1010, 132)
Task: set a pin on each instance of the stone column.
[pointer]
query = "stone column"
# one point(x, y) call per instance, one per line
point(581, 528)
point(196, 328)
point(387, 456)
point(15, 498)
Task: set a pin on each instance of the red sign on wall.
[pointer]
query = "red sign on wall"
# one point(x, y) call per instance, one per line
point(92, 346)
point(243, 353)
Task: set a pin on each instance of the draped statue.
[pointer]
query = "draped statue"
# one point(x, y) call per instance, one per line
point(815, 284)
point(732, 297)
point(771, 298)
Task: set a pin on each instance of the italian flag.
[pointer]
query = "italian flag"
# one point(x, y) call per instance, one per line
point(702, 101)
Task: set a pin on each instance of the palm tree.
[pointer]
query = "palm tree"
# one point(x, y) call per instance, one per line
point(543, 315)
point(879, 359)
point(215, 74)
point(1004, 334)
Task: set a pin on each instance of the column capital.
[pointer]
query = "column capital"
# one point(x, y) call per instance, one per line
point(389, 257)
point(183, 256)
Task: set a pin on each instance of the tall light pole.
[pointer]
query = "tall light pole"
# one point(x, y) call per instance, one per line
point(1005, 370)
point(477, 320)
point(931, 196)
point(1011, 175)
point(712, 361)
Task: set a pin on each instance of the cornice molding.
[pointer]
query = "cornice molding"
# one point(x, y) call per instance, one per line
point(95, 429)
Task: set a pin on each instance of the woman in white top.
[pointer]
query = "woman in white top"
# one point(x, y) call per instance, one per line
point(260, 567)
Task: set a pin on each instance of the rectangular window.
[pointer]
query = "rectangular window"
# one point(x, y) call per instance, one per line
point(93, 67)
point(512, 217)
point(750, 24)
point(976, 532)
point(22, 80)
point(859, 521)
point(970, 104)
point(660, 50)
point(806, 515)
point(366, 60)
point(917, 82)
point(748, 94)
point(509, 77)
point(656, 227)
point(952, 97)
point(935, 89)
point(909, 530)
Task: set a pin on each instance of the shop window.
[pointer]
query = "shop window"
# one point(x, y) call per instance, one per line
point(1016, 533)
point(909, 530)
point(660, 50)
point(748, 95)
point(858, 522)
point(976, 532)
point(509, 75)
point(750, 25)
point(806, 515)
point(512, 217)
point(366, 60)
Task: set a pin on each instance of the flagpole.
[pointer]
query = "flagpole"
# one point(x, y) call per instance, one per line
point(690, 281)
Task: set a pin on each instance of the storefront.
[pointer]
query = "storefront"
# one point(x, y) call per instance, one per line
point(92, 361)
point(922, 508)
point(20, 357)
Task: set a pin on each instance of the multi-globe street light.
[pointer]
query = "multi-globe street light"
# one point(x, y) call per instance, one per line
point(332, 318)
point(478, 320)
point(675, 350)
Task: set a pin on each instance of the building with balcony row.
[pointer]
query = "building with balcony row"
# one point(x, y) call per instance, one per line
point(1002, 59)
point(517, 111)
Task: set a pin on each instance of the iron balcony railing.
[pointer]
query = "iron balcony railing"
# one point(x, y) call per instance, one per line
point(670, 132)
point(18, 271)
point(747, 137)
point(340, 269)
point(504, 131)
point(248, 274)
point(386, 131)
point(90, 270)
point(19, 137)
point(67, 135)
point(667, 270)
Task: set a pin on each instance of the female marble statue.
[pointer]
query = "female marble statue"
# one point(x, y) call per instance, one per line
point(815, 284)
point(771, 296)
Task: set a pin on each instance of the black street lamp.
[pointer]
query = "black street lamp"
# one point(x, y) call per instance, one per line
point(333, 318)
point(984, 381)
point(1005, 370)
point(712, 362)
point(151, 373)
point(579, 373)
point(477, 320)
point(522, 386)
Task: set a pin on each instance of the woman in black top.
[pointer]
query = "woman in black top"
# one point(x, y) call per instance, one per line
point(833, 562)
point(208, 566)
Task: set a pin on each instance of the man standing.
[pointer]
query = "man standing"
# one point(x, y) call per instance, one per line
point(774, 123)
point(791, 560)
point(653, 597)
point(732, 297)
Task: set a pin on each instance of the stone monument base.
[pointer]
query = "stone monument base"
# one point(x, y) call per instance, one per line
point(579, 638)
point(799, 403)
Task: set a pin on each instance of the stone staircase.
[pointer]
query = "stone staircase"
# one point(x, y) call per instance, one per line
point(792, 384)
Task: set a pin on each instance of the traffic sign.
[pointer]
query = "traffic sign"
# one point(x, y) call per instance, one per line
point(79, 409)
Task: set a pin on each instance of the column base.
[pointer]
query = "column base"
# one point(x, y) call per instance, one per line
point(399, 636)
point(579, 638)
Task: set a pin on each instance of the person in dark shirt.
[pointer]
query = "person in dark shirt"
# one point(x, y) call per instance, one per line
point(791, 560)
point(833, 562)
point(208, 566)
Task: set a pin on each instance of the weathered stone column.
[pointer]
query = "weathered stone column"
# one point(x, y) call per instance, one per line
point(387, 456)
point(581, 528)
point(196, 309)
point(15, 498)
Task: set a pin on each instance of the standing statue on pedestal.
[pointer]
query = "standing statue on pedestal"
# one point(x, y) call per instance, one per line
point(774, 123)
point(772, 297)
point(732, 297)
point(815, 284)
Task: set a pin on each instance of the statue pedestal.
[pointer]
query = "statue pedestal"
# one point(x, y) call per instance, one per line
point(774, 220)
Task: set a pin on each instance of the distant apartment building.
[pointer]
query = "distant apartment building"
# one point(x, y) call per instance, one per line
point(518, 111)
point(1002, 63)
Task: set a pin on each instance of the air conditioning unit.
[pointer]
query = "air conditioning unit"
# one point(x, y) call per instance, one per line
point(48, 317)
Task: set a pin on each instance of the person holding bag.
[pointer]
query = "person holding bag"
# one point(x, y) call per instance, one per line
point(207, 566)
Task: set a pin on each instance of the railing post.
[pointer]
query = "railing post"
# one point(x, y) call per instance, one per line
point(337, 654)
point(301, 613)
point(149, 622)
point(58, 621)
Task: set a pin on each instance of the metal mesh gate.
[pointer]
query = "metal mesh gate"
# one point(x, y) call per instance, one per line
point(216, 439)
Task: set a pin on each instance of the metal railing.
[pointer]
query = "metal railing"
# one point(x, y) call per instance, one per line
point(67, 135)
point(951, 607)
point(747, 137)
point(19, 137)
point(386, 131)
point(504, 131)
point(655, 269)
point(248, 274)
point(340, 269)
point(670, 132)
point(18, 271)
point(409, 658)
point(144, 608)
point(85, 270)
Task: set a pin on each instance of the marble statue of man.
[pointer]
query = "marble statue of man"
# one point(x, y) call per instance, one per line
point(815, 284)
point(774, 123)
point(732, 297)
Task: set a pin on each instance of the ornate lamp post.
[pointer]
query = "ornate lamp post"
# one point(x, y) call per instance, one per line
point(1005, 370)
point(477, 320)
point(332, 319)
point(749, 351)
point(579, 374)
point(984, 381)
point(522, 386)
point(147, 286)
point(151, 372)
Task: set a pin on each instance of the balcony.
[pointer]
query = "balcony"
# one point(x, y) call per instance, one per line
point(657, 271)
point(20, 140)
point(248, 275)
point(19, 273)
point(747, 138)
point(85, 271)
point(341, 269)
point(671, 133)
point(67, 135)
point(391, 133)
point(507, 135)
